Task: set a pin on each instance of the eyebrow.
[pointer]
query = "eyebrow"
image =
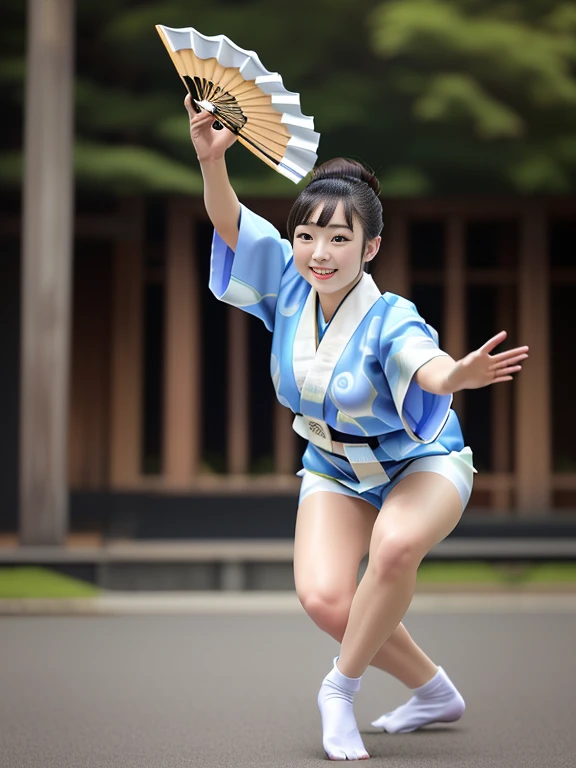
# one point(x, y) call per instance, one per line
point(328, 226)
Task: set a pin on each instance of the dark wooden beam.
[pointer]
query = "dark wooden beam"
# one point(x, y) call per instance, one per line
point(453, 338)
point(238, 446)
point(533, 432)
point(183, 359)
point(126, 388)
point(391, 269)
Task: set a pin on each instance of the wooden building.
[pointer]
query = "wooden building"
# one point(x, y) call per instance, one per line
point(170, 389)
point(132, 378)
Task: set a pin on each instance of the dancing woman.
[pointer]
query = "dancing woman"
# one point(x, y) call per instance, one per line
point(385, 471)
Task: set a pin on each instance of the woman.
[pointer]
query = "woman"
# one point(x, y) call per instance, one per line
point(385, 470)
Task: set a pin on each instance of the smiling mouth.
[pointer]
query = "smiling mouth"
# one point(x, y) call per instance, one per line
point(318, 271)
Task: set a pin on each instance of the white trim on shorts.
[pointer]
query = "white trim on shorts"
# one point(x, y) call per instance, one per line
point(455, 466)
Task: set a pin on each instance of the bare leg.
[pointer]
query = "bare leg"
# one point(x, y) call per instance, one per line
point(418, 513)
point(332, 536)
point(402, 658)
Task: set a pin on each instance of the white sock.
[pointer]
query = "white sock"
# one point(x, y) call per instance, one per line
point(437, 701)
point(340, 735)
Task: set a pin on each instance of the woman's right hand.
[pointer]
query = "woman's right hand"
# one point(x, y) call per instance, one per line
point(209, 144)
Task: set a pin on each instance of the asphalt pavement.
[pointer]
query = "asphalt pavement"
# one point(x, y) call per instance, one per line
point(238, 689)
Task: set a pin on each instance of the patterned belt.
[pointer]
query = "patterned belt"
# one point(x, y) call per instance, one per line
point(357, 449)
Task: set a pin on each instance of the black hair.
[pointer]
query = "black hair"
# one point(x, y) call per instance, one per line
point(340, 180)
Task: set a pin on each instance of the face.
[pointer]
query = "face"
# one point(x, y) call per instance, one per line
point(331, 258)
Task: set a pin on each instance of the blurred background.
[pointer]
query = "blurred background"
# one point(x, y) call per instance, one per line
point(137, 409)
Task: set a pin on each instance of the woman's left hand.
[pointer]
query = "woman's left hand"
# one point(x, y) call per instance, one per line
point(480, 368)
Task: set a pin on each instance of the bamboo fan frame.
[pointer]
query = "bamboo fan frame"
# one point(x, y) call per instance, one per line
point(232, 83)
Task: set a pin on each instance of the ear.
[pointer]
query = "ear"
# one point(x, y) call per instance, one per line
point(372, 248)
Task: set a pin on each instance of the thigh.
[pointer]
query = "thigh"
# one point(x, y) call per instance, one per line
point(419, 512)
point(332, 536)
point(457, 467)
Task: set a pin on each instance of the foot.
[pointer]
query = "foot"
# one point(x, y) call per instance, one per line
point(340, 735)
point(438, 701)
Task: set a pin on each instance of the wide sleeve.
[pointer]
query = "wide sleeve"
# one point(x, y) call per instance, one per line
point(250, 277)
point(407, 343)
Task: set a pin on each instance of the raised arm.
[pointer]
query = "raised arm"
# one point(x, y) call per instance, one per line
point(220, 199)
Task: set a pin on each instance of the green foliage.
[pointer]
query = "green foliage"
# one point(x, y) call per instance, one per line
point(12, 70)
point(404, 182)
point(497, 574)
point(102, 111)
point(441, 32)
point(124, 169)
point(460, 573)
point(10, 168)
point(34, 582)
point(451, 96)
point(495, 72)
point(439, 96)
point(539, 171)
point(131, 169)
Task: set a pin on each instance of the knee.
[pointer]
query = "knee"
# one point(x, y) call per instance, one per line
point(394, 556)
point(328, 610)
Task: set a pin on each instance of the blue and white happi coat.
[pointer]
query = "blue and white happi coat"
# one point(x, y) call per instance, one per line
point(359, 380)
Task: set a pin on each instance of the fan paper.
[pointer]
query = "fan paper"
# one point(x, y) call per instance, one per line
point(253, 103)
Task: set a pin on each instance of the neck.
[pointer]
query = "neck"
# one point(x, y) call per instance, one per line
point(331, 301)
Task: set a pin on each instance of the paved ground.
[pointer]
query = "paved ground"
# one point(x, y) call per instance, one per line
point(239, 689)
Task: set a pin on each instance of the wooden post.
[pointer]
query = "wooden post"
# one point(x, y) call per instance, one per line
point(182, 391)
point(533, 433)
point(391, 266)
point(46, 270)
point(501, 405)
point(284, 440)
point(127, 333)
point(238, 446)
point(455, 297)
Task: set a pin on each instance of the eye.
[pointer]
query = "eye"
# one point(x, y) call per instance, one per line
point(340, 239)
point(304, 236)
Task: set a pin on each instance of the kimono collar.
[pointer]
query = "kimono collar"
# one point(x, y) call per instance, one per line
point(313, 363)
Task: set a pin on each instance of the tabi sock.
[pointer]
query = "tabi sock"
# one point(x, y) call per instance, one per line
point(437, 701)
point(340, 735)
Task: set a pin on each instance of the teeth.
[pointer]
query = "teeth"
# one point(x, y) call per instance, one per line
point(323, 271)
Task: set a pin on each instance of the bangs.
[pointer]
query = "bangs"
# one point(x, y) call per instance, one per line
point(328, 209)
point(309, 201)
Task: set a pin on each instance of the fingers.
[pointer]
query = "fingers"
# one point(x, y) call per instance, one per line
point(493, 342)
point(510, 353)
point(189, 105)
point(503, 378)
point(508, 371)
point(503, 361)
point(199, 118)
point(199, 124)
point(195, 116)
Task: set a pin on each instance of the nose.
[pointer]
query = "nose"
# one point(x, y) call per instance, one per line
point(320, 252)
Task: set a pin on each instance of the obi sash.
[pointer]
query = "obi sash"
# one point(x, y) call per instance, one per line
point(314, 365)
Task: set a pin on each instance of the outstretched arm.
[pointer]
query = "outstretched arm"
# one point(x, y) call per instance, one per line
point(443, 375)
point(220, 199)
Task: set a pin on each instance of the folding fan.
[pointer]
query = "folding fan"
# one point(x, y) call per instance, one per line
point(250, 101)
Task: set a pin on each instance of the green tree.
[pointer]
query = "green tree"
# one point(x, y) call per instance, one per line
point(490, 86)
point(440, 96)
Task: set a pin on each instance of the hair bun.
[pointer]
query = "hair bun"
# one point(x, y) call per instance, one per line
point(345, 168)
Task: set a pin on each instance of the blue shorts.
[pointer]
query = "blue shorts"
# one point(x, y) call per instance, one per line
point(455, 466)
